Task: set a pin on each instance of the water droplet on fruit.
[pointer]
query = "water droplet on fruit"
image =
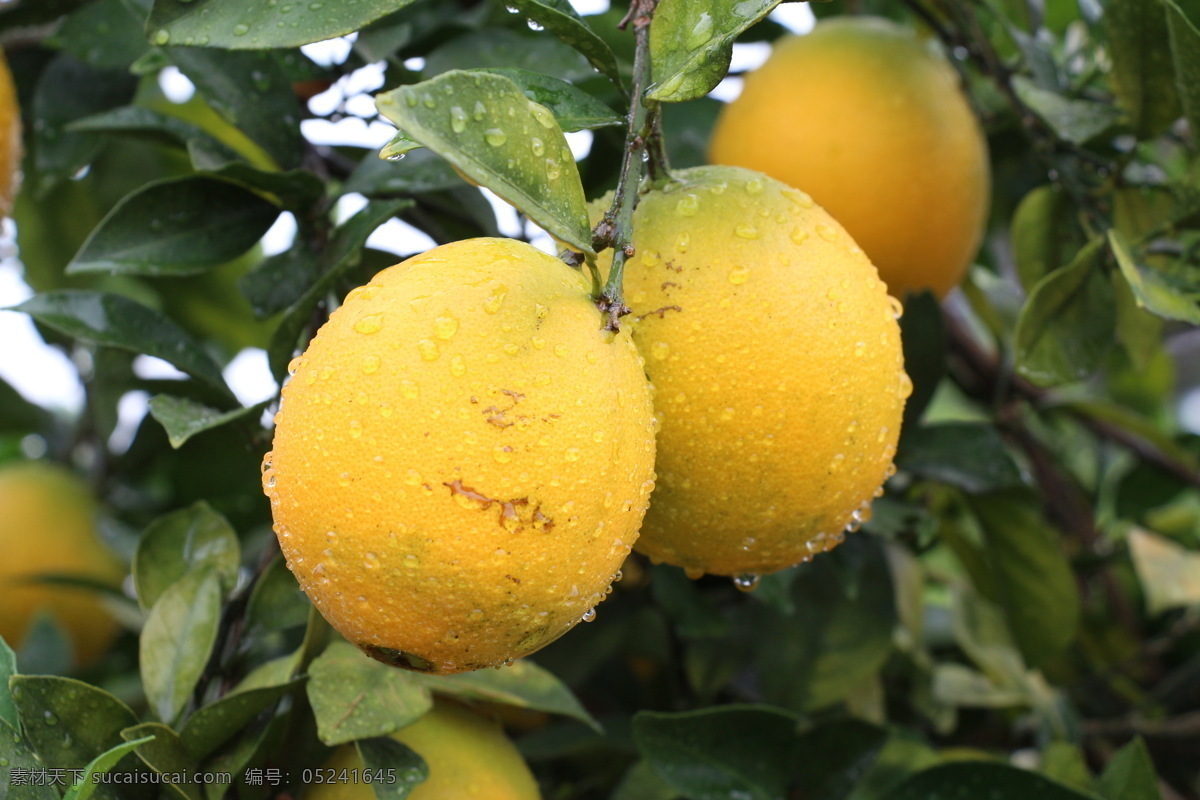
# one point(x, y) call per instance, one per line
point(659, 351)
point(827, 232)
point(746, 583)
point(411, 561)
point(695, 573)
point(445, 326)
point(502, 453)
point(370, 364)
point(906, 386)
point(688, 205)
point(496, 299)
point(897, 307)
point(589, 615)
point(754, 186)
point(746, 231)
point(739, 275)
point(428, 350)
point(369, 324)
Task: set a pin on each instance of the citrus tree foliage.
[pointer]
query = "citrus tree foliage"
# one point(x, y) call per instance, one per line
point(1016, 620)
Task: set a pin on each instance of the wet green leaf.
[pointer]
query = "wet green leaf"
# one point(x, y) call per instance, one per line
point(1066, 327)
point(102, 764)
point(69, 90)
point(177, 639)
point(161, 749)
point(277, 603)
point(1078, 121)
point(388, 754)
point(104, 35)
point(115, 321)
point(237, 25)
point(1033, 577)
point(523, 684)
point(147, 124)
point(923, 337)
point(419, 172)
point(969, 780)
point(250, 90)
point(1150, 290)
point(1129, 775)
point(691, 44)
point(356, 697)
point(485, 126)
point(178, 226)
point(573, 108)
point(183, 418)
point(216, 723)
point(180, 542)
point(969, 455)
point(16, 756)
point(560, 19)
point(8, 668)
point(68, 722)
point(1143, 74)
point(717, 753)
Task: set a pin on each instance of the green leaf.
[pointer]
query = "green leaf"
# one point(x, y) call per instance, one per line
point(66, 91)
point(68, 722)
point(523, 684)
point(383, 753)
point(183, 418)
point(969, 780)
point(1077, 121)
point(237, 25)
point(1064, 762)
point(573, 108)
point(1150, 290)
point(177, 639)
point(344, 250)
point(115, 321)
point(923, 337)
point(835, 756)
point(691, 44)
point(356, 697)
point(841, 631)
point(280, 280)
point(178, 226)
point(104, 35)
point(17, 757)
point(18, 415)
point(1183, 26)
point(1033, 577)
point(100, 765)
point(642, 782)
point(1169, 573)
point(1143, 74)
point(560, 19)
point(20, 15)
point(216, 723)
point(1129, 775)
point(959, 685)
point(250, 90)
point(8, 668)
point(718, 753)
point(297, 189)
point(161, 749)
point(181, 542)
point(1038, 234)
point(485, 126)
point(150, 125)
point(276, 603)
point(969, 455)
point(1066, 327)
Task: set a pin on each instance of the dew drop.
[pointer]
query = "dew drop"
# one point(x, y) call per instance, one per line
point(495, 137)
point(572, 454)
point(695, 573)
point(294, 365)
point(428, 350)
point(650, 258)
point(906, 386)
point(411, 561)
point(502, 453)
point(701, 32)
point(746, 583)
point(552, 170)
point(688, 205)
point(739, 275)
point(897, 307)
point(659, 351)
point(589, 615)
point(537, 146)
point(162, 38)
point(371, 561)
point(827, 232)
point(799, 235)
point(746, 231)
point(458, 367)
point(445, 326)
point(682, 242)
point(370, 364)
point(241, 29)
point(369, 324)
point(755, 186)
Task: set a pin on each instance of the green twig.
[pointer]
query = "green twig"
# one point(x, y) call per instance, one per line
point(616, 229)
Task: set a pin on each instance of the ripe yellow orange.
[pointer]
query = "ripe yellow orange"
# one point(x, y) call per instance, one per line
point(47, 527)
point(775, 354)
point(870, 121)
point(467, 755)
point(10, 139)
point(462, 458)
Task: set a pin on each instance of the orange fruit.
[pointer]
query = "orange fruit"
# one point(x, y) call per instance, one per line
point(775, 355)
point(463, 458)
point(871, 121)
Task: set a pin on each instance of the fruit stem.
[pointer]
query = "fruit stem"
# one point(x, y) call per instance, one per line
point(616, 229)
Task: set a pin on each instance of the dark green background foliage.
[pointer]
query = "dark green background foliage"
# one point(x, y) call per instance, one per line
point(1018, 619)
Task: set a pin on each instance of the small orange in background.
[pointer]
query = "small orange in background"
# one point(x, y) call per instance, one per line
point(872, 122)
